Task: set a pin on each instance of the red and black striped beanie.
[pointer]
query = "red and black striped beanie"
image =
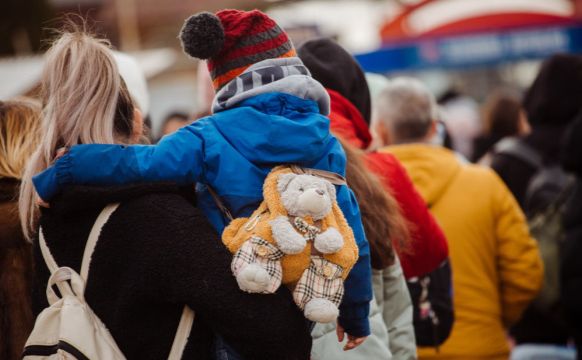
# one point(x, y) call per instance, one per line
point(233, 40)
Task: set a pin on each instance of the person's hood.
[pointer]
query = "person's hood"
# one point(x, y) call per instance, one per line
point(79, 199)
point(431, 168)
point(336, 69)
point(275, 128)
point(347, 121)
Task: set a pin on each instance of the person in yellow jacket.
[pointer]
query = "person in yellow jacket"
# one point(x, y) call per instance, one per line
point(497, 269)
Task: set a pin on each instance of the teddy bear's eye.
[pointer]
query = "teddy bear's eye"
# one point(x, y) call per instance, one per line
point(301, 189)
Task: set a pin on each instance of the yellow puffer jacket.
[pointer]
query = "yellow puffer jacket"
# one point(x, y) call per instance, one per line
point(497, 269)
point(241, 229)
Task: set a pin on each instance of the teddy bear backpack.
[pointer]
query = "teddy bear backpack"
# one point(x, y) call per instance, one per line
point(298, 237)
point(68, 329)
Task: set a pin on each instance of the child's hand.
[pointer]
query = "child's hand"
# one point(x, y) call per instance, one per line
point(60, 152)
point(353, 342)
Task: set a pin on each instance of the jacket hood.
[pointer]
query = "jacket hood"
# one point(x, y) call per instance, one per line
point(348, 122)
point(82, 198)
point(275, 128)
point(336, 69)
point(432, 168)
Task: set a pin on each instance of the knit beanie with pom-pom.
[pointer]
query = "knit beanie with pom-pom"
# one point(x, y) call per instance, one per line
point(233, 40)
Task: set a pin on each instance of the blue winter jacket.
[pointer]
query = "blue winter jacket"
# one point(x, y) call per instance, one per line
point(232, 151)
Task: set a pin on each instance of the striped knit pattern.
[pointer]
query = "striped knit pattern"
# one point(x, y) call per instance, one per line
point(250, 37)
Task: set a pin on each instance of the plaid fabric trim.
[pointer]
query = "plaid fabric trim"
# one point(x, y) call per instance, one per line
point(322, 279)
point(259, 251)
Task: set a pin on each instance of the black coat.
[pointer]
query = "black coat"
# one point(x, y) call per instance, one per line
point(571, 271)
point(534, 326)
point(516, 173)
point(156, 253)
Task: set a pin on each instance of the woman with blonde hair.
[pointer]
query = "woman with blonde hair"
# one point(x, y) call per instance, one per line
point(157, 252)
point(19, 120)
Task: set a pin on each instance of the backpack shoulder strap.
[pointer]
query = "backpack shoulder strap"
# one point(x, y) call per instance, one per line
point(187, 318)
point(520, 150)
point(46, 253)
point(93, 237)
point(182, 334)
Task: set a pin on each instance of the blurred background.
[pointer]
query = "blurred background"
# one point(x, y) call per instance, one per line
point(463, 49)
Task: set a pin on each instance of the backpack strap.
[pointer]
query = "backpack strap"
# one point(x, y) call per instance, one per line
point(182, 334)
point(93, 237)
point(219, 204)
point(187, 318)
point(51, 264)
point(518, 149)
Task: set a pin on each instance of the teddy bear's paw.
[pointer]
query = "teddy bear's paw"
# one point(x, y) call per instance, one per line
point(287, 238)
point(253, 278)
point(321, 311)
point(329, 242)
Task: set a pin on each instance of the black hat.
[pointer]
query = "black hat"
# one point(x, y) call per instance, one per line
point(337, 70)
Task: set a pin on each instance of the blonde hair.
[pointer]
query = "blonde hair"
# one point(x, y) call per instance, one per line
point(19, 135)
point(84, 101)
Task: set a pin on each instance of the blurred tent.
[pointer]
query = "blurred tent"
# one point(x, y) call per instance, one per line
point(462, 33)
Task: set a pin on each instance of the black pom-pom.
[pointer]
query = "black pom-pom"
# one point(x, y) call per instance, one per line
point(202, 35)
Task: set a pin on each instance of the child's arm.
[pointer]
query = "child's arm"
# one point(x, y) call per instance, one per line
point(177, 158)
point(355, 306)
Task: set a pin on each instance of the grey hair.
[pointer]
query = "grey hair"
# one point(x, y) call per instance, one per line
point(407, 108)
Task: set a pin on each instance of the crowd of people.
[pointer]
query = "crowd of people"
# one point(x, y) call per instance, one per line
point(467, 246)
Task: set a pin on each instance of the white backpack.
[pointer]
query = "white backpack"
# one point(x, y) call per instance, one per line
point(68, 328)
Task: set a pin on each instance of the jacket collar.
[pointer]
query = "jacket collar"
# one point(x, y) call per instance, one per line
point(348, 122)
point(432, 168)
point(283, 75)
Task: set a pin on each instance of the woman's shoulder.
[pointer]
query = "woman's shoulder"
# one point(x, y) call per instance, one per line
point(164, 211)
point(147, 209)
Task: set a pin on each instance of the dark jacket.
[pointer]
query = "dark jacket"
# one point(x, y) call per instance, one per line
point(571, 271)
point(15, 275)
point(156, 253)
point(517, 173)
point(534, 326)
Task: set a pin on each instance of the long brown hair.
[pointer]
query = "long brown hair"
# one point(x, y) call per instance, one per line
point(383, 222)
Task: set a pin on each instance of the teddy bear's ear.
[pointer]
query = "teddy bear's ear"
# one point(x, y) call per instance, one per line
point(283, 181)
point(331, 190)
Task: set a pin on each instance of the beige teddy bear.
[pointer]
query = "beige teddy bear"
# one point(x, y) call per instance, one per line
point(297, 236)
